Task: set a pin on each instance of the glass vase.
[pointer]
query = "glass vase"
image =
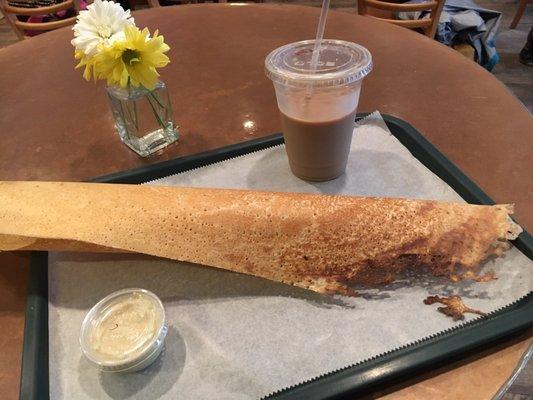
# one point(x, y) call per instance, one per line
point(143, 117)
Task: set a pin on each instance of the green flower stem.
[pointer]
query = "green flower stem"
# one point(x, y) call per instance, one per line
point(156, 114)
point(122, 113)
point(132, 114)
point(157, 100)
point(135, 115)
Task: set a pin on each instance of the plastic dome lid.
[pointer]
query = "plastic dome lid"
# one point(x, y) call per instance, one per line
point(340, 63)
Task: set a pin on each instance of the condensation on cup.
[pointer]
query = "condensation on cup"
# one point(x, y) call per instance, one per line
point(318, 107)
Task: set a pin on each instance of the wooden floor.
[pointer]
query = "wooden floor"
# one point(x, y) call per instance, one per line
point(517, 77)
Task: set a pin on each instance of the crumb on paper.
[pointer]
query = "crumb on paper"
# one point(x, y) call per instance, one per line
point(471, 275)
point(454, 307)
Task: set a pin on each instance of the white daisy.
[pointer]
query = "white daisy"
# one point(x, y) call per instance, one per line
point(102, 22)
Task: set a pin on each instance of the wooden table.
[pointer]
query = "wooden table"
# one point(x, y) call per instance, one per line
point(55, 126)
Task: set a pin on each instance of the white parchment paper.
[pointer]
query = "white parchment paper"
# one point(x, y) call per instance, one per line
point(234, 336)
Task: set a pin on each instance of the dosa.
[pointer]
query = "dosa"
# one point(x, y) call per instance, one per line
point(323, 243)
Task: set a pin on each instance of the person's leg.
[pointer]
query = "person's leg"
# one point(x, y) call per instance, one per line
point(526, 55)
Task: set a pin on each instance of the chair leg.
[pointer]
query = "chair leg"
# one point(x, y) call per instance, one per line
point(435, 16)
point(519, 13)
point(11, 18)
point(154, 3)
point(361, 7)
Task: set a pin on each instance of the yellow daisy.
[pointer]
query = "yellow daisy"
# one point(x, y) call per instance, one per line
point(87, 62)
point(133, 60)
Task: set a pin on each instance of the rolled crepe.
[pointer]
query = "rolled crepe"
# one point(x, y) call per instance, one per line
point(319, 242)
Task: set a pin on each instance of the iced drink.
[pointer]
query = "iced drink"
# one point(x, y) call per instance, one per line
point(318, 107)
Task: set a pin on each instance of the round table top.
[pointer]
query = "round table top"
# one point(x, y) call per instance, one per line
point(56, 126)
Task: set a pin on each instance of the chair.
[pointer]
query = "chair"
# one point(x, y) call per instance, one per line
point(21, 27)
point(388, 9)
point(521, 8)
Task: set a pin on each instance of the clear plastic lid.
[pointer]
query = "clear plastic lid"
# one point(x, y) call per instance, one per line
point(340, 63)
point(123, 329)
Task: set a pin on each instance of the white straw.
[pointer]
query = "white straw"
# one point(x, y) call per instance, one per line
point(319, 35)
point(318, 42)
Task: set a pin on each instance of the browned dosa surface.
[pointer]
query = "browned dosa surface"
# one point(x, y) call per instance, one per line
point(314, 241)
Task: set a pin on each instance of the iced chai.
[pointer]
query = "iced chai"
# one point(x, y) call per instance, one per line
point(318, 106)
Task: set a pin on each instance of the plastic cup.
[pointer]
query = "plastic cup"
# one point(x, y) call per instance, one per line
point(318, 107)
point(137, 329)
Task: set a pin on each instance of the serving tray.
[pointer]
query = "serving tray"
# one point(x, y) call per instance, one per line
point(350, 381)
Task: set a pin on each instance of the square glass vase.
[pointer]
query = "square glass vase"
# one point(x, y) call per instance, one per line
point(143, 117)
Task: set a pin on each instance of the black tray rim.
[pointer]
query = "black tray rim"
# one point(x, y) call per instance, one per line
point(350, 381)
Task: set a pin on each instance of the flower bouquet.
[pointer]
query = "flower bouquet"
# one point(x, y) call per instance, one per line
point(110, 47)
